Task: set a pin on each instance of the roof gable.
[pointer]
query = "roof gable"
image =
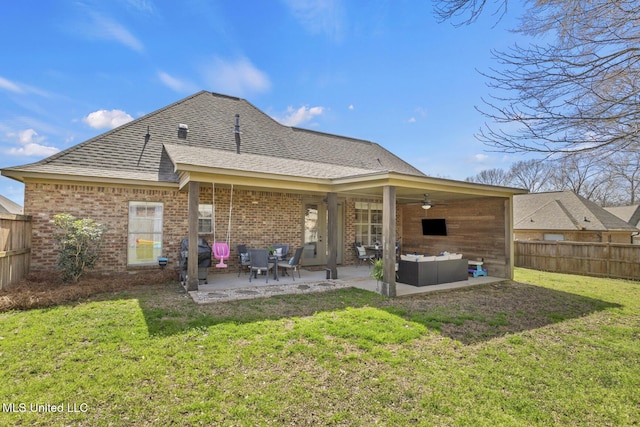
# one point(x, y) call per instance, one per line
point(9, 207)
point(629, 214)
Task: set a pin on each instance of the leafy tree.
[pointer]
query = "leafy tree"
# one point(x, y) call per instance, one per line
point(79, 243)
point(578, 90)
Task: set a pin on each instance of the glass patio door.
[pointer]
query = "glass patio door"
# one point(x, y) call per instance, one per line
point(315, 233)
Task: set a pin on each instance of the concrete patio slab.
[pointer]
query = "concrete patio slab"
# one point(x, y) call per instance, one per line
point(229, 286)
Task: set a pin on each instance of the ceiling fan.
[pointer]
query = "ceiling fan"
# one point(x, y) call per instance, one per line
point(426, 203)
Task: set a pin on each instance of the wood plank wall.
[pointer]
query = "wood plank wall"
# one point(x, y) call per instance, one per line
point(475, 228)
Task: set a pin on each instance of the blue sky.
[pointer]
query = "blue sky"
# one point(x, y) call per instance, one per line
point(383, 71)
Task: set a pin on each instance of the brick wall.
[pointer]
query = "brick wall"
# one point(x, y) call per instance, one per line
point(108, 205)
point(259, 219)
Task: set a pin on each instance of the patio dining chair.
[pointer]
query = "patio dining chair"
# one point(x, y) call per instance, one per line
point(243, 258)
point(294, 263)
point(259, 263)
point(361, 254)
point(281, 251)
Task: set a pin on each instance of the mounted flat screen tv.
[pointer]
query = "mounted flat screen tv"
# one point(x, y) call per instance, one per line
point(434, 227)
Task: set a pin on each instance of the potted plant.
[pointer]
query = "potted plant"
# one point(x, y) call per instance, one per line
point(377, 272)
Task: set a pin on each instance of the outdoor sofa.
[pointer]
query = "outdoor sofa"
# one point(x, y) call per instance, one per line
point(419, 270)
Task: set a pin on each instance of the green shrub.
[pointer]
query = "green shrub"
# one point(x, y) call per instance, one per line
point(79, 243)
point(377, 272)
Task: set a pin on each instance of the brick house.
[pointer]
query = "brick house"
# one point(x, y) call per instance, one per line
point(566, 216)
point(152, 182)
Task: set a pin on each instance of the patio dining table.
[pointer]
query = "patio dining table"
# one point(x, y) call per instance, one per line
point(274, 259)
point(377, 251)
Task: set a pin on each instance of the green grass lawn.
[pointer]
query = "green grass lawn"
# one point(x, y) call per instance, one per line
point(546, 349)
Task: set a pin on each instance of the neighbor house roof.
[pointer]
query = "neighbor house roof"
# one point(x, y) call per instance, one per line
point(9, 207)
point(629, 214)
point(563, 210)
point(265, 145)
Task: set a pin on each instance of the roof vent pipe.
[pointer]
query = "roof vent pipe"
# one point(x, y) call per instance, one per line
point(182, 131)
point(236, 132)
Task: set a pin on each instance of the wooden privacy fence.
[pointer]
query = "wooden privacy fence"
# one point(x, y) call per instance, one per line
point(615, 260)
point(15, 248)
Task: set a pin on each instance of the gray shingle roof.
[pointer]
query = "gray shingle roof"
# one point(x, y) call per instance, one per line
point(630, 214)
point(563, 210)
point(210, 117)
point(9, 207)
point(230, 160)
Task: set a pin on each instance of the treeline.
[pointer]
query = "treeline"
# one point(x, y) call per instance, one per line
point(612, 181)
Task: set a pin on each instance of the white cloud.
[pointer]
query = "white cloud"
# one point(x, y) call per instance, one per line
point(421, 112)
point(107, 29)
point(351, 107)
point(9, 85)
point(30, 144)
point(29, 136)
point(480, 158)
point(320, 16)
point(174, 83)
point(303, 114)
point(146, 6)
point(102, 119)
point(237, 78)
point(20, 88)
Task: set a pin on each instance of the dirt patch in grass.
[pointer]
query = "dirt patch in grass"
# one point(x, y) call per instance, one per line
point(46, 289)
point(476, 314)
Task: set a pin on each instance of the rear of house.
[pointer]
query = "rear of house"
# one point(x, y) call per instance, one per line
point(211, 164)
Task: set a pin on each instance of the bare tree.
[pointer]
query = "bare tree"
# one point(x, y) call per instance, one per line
point(585, 175)
point(466, 11)
point(579, 92)
point(625, 168)
point(530, 174)
point(491, 177)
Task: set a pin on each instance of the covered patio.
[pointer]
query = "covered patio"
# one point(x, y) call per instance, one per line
point(479, 218)
point(231, 287)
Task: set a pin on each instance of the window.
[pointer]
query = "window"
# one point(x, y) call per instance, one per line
point(368, 222)
point(205, 213)
point(145, 233)
point(553, 237)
